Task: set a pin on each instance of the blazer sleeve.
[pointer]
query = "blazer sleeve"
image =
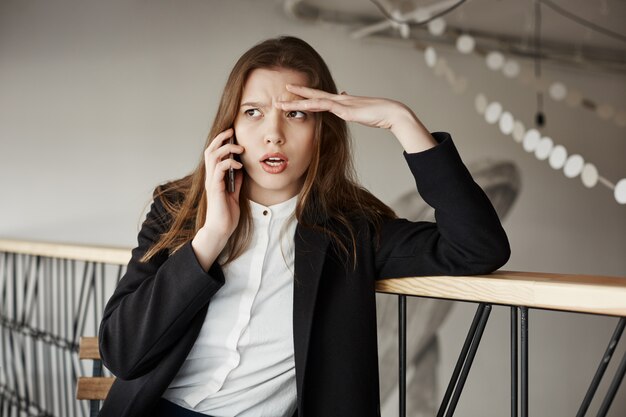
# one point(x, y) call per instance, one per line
point(467, 237)
point(154, 302)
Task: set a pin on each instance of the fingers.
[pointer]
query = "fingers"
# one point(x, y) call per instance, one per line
point(222, 152)
point(216, 181)
point(217, 159)
point(220, 138)
point(218, 150)
point(308, 92)
point(312, 104)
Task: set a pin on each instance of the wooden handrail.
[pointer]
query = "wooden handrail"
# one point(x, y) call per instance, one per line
point(567, 292)
point(577, 293)
point(102, 254)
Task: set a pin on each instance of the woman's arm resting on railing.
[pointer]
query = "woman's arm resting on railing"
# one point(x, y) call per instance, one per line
point(467, 238)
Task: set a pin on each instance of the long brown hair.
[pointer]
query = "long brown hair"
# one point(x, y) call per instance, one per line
point(330, 198)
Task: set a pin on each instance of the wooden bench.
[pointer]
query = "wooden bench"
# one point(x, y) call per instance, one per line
point(96, 387)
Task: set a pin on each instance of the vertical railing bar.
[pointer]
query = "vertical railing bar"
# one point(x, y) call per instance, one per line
point(58, 352)
point(470, 359)
point(35, 285)
point(68, 348)
point(63, 352)
point(25, 275)
point(21, 336)
point(524, 364)
point(617, 380)
point(87, 295)
point(30, 283)
point(72, 267)
point(83, 289)
point(514, 355)
point(100, 299)
point(39, 314)
point(604, 362)
point(47, 353)
point(34, 319)
point(402, 354)
point(3, 280)
point(90, 292)
point(459, 363)
point(12, 342)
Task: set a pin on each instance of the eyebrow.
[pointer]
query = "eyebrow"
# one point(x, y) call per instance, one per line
point(253, 104)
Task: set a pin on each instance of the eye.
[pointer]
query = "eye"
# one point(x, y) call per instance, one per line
point(252, 112)
point(296, 114)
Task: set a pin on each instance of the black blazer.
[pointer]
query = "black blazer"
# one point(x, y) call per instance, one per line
point(155, 314)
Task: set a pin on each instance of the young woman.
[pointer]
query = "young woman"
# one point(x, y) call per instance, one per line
point(261, 301)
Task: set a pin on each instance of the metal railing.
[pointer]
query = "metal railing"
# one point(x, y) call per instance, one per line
point(521, 291)
point(51, 294)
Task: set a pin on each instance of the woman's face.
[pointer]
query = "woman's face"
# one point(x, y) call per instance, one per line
point(278, 145)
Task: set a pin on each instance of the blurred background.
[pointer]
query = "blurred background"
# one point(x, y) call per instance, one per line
point(100, 101)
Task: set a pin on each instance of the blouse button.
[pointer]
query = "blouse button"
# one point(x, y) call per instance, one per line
point(265, 212)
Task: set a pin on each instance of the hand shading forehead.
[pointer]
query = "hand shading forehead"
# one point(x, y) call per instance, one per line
point(264, 86)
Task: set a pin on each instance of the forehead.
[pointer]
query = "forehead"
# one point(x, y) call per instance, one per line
point(272, 82)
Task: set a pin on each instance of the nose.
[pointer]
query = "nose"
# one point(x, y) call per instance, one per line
point(276, 140)
point(274, 130)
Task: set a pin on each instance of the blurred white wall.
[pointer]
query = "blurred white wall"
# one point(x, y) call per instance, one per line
point(102, 100)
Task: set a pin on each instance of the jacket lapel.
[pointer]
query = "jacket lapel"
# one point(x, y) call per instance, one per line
point(310, 253)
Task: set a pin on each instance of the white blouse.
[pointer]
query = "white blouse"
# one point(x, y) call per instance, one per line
point(242, 363)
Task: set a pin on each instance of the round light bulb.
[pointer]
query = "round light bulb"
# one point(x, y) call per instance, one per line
point(481, 103)
point(519, 130)
point(465, 44)
point(493, 112)
point(430, 55)
point(558, 156)
point(511, 68)
point(495, 60)
point(531, 140)
point(542, 152)
point(589, 176)
point(405, 30)
point(557, 91)
point(573, 166)
point(437, 26)
point(506, 123)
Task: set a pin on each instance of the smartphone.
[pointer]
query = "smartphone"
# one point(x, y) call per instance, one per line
point(231, 172)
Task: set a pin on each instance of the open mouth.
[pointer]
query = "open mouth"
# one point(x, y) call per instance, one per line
point(274, 163)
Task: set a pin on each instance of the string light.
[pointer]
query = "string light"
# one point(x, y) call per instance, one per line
point(495, 60)
point(542, 147)
point(557, 90)
point(465, 44)
point(437, 27)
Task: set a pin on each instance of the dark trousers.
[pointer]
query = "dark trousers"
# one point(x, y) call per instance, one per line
point(166, 408)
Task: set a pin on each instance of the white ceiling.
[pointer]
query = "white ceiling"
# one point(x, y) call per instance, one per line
point(510, 21)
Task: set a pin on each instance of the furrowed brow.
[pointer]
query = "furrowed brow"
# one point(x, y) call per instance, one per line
point(253, 104)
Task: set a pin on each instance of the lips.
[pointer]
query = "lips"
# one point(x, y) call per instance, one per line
point(274, 163)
